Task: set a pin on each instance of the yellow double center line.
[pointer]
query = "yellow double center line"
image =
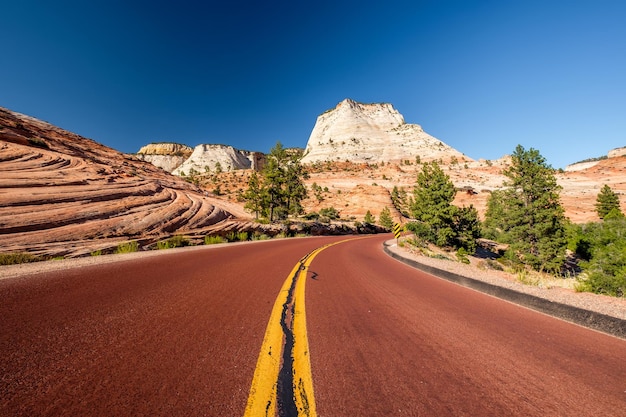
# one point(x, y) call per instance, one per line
point(286, 338)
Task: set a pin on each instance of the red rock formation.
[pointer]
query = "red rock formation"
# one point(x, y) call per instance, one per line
point(62, 194)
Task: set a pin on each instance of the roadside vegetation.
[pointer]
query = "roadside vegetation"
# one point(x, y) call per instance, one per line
point(18, 258)
point(526, 221)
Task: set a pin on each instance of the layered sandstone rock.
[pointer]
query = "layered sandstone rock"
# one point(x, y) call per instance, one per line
point(209, 157)
point(62, 194)
point(358, 132)
point(167, 156)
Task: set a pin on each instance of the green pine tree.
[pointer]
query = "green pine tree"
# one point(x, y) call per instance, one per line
point(432, 205)
point(369, 218)
point(282, 187)
point(254, 195)
point(531, 215)
point(385, 219)
point(606, 201)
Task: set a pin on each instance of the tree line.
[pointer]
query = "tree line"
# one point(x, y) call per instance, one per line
point(525, 214)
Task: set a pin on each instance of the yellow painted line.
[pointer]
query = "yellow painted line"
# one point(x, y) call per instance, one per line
point(302, 377)
point(262, 398)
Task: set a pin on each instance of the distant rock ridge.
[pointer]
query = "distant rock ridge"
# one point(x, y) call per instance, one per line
point(377, 132)
point(207, 157)
point(166, 155)
point(579, 166)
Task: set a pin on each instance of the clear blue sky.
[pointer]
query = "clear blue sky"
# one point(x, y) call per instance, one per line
point(483, 76)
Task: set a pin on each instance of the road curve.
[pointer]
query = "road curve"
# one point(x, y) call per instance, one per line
point(179, 335)
point(171, 335)
point(387, 339)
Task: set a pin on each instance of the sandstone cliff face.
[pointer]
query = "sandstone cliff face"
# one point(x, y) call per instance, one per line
point(359, 132)
point(166, 148)
point(167, 156)
point(614, 153)
point(208, 156)
point(62, 194)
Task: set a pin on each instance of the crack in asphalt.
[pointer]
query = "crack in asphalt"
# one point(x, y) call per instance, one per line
point(285, 387)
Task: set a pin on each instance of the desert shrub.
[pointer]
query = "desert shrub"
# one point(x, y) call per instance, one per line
point(96, 252)
point(330, 213)
point(260, 236)
point(461, 255)
point(490, 264)
point(18, 258)
point(311, 216)
point(38, 142)
point(127, 247)
point(173, 242)
point(212, 240)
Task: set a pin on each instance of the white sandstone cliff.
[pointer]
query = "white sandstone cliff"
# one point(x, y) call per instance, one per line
point(206, 157)
point(167, 156)
point(377, 132)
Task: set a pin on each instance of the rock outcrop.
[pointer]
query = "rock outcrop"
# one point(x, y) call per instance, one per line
point(357, 132)
point(614, 153)
point(65, 195)
point(208, 157)
point(167, 156)
point(580, 166)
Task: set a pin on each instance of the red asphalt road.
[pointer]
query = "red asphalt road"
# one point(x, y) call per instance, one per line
point(179, 335)
point(386, 339)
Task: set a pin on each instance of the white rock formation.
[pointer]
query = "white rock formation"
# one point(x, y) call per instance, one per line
point(614, 153)
point(359, 132)
point(167, 156)
point(208, 156)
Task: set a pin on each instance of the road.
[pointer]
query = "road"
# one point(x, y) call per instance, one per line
point(180, 334)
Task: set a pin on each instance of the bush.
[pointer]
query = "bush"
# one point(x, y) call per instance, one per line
point(461, 255)
point(260, 236)
point(127, 247)
point(18, 258)
point(237, 236)
point(330, 213)
point(311, 216)
point(212, 240)
point(177, 241)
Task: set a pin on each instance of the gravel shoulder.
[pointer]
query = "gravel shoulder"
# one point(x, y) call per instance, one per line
point(601, 304)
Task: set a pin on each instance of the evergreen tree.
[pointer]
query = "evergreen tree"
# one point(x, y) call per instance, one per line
point(369, 218)
point(295, 190)
point(467, 228)
point(603, 248)
point(495, 217)
point(531, 215)
point(431, 206)
point(606, 201)
point(385, 219)
point(254, 195)
point(282, 188)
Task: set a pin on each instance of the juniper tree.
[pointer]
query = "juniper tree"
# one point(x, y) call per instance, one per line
point(369, 218)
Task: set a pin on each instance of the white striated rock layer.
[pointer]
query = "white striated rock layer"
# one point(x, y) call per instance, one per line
point(207, 156)
point(359, 132)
